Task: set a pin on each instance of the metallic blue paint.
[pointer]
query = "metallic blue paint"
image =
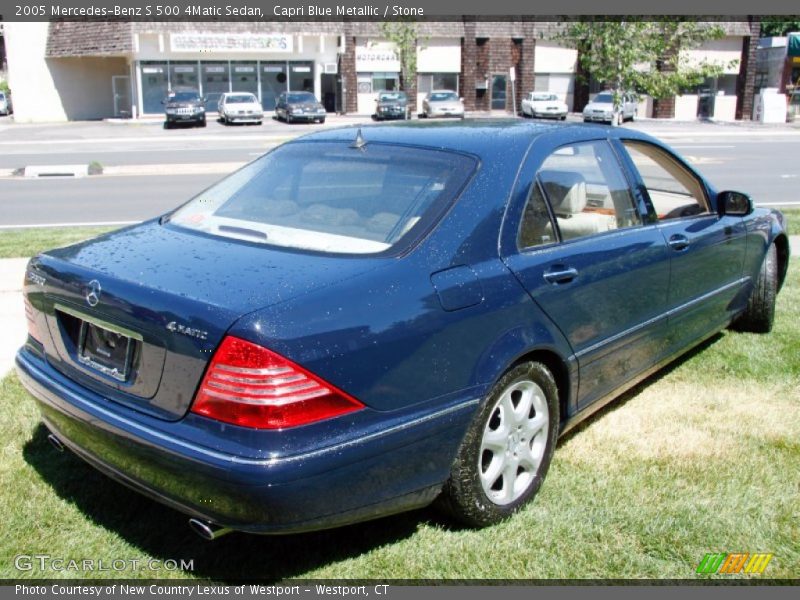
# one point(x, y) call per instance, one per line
point(419, 337)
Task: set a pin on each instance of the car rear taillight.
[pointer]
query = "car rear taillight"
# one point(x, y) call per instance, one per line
point(248, 385)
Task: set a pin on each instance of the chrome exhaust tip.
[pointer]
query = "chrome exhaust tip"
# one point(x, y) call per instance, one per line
point(208, 531)
point(55, 442)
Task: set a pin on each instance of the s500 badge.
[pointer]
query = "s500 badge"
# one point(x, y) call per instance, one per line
point(184, 330)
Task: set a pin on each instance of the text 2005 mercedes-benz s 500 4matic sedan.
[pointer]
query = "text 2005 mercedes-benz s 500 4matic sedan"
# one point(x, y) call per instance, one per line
point(363, 321)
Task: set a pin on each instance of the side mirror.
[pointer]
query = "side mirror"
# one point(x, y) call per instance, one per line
point(460, 99)
point(735, 204)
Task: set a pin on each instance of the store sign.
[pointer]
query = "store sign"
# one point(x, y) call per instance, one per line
point(230, 42)
point(374, 57)
point(794, 44)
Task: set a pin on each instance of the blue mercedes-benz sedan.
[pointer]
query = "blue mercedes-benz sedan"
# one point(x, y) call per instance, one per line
point(363, 321)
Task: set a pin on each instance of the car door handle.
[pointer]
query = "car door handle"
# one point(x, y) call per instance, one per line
point(560, 275)
point(678, 242)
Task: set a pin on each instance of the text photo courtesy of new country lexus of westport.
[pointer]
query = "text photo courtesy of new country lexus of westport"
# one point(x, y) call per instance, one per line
point(367, 320)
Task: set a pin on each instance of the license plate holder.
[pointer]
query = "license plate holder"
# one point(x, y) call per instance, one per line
point(109, 352)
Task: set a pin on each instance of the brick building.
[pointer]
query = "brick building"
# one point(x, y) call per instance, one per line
point(88, 70)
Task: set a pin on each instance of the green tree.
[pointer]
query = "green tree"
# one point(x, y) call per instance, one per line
point(404, 34)
point(643, 57)
point(779, 25)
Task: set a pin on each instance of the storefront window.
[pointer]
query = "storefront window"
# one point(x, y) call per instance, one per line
point(385, 81)
point(273, 83)
point(244, 77)
point(216, 81)
point(437, 81)
point(155, 84)
point(183, 75)
point(301, 77)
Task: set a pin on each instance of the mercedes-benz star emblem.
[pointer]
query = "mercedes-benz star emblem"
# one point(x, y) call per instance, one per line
point(93, 293)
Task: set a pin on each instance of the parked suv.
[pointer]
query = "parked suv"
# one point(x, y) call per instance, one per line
point(5, 104)
point(185, 106)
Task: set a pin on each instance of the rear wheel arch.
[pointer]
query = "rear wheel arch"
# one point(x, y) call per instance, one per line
point(557, 367)
point(782, 246)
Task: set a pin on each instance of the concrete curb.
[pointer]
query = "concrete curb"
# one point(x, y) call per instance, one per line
point(173, 169)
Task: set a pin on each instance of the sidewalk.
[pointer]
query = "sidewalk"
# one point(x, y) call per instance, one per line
point(12, 312)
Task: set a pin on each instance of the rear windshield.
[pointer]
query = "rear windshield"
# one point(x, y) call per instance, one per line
point(439, 96)
point(539, 97)
point(604, 98)
point(184, 97)
point(241, 99)
point(298, 98)
point(400, 96)
point(330, 196)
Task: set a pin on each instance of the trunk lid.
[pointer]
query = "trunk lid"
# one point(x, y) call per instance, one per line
point(136, 315)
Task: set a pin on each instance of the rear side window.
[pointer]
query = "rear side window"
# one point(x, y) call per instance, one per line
point(330, 196)
point(674, 191)
point(587, 192)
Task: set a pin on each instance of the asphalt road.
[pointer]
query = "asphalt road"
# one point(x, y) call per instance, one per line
point(763, 162)
point(95, 199)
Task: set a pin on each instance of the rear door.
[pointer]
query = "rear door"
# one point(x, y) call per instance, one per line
point(706, 251)
point(578, 246)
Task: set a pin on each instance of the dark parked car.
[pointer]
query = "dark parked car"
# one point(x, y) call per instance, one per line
point(299, 106)
point(364, 320)
point(392, 105)
point(184, 106)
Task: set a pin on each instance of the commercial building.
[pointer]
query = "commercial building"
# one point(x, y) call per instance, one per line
point(92, 70)
point(778, 67)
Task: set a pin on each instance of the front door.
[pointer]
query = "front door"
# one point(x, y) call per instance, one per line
point(706, 251)
point(121, 88)
point(499, 92)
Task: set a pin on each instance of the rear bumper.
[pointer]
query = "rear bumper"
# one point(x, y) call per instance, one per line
point(245, 118)
point(307, 117)
point(598, 118)
point(368, 476)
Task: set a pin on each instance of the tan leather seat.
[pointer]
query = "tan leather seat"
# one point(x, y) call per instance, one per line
point(566, 191)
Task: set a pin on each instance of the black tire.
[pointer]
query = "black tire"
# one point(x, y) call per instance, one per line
point(759, 315)
point(464, 495)
point(585, 120)
point(167, 125)
point(202, 123)
point(322, 121)
point(564, 118)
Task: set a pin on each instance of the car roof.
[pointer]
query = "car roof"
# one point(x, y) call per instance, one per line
point(486, 138)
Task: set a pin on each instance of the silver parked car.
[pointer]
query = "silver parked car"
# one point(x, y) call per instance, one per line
point(443, 103)
point(5, 103)
point(544, 105)
point(240, 107)
point(601, 109)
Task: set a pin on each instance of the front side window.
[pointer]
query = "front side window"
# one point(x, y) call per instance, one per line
point(674, 191)
point(587, 192)
point(330, 196)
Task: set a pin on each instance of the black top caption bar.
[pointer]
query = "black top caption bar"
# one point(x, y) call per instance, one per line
point(368, 10)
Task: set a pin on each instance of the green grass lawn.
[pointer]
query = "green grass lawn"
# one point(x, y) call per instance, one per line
point(703, 457)
point(793, 220)
point(27, 242)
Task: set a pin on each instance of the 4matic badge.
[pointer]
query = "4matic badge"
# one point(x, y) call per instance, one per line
point(184, 330)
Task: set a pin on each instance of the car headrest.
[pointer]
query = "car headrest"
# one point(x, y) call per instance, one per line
point(566, 190)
